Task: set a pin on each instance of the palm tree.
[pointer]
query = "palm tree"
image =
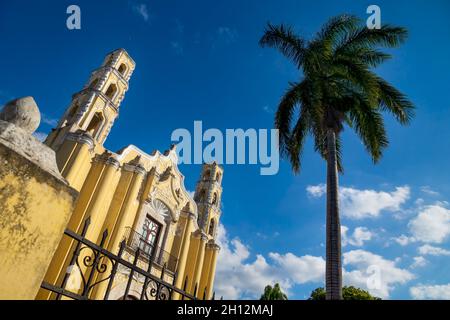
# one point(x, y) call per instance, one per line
point(337, 87)
point(273, 293)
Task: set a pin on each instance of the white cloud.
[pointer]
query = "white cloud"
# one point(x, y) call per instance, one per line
point(300, 269)
point(429, 191)
point(419, 262)
point(359, 204)
point(374, 273)
point(432, 224)
point(434, 292)
point(239, 277)
point(404, 240)
point(265, 236)
point(262, 235)
point(357, 239)
point(142, 10)
point(316, 191)
point(48, 120)
point(41, 136)
point(419, 202)
point(433, 251)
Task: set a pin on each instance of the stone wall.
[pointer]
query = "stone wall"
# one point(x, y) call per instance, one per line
point(35, 202)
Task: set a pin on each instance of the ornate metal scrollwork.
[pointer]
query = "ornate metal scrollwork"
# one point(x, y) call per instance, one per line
point(157, 291)
point(95, 264)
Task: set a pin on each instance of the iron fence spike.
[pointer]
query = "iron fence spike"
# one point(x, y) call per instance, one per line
point(175, 276)
point(104, 235)
point(122, 244)
point(87, 222)
point(195, 291)
point(185, 283)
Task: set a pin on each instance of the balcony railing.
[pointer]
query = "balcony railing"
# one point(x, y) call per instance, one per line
point(149, 251)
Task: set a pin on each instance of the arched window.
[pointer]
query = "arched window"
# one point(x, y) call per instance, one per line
point(214, 201)
point(212, 225)
point(150, 236)
point(111, 92)
point(207, 174)
point(95, 124)
point(122, 69)
point(218, 177)
point(201, 196)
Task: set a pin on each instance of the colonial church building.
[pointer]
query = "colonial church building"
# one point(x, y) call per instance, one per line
point(136, 196)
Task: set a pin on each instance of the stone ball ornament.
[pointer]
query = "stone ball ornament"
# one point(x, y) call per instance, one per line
point(23, 113)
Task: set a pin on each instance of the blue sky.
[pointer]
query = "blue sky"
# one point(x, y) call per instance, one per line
point(200, 60)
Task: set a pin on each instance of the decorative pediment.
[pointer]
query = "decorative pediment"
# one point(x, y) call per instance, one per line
point(167, 174)
point(169, 184)
point(161, 200)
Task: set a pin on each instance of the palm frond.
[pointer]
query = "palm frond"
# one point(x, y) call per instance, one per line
point(369, 56)
point(297, 139)
point(395, 102)
point(315, 58)
point(336, 28)
point(360, 78)
point(369, 125)
point(284, 39)
point(386, 36)
point(285, 112)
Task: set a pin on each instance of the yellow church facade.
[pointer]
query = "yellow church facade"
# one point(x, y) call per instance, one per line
point(139, 198)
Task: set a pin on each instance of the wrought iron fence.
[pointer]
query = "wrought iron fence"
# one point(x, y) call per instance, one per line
point(97, 266)
point(149, 251)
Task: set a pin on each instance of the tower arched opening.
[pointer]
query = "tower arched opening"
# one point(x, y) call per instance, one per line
point(212, 226)
point(111, 91)
point(95, 124)
point(122, 69)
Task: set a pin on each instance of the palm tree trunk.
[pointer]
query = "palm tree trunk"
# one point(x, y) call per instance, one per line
point(333, 260)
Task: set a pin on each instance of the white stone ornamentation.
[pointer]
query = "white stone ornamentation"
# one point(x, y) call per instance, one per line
point(160, 208)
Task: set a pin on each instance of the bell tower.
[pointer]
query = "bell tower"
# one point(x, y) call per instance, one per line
point(94, 108)
point(203, 247)
point(85, 125)
point(208, 195)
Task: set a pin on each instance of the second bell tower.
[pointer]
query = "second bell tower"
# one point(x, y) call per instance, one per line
point(208, 196)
